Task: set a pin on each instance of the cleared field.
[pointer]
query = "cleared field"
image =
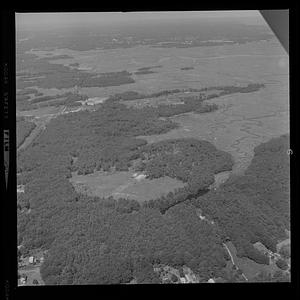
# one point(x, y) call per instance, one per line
point(123, 185)
point(249, 267)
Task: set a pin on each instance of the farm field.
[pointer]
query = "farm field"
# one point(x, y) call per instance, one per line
point(123, 185)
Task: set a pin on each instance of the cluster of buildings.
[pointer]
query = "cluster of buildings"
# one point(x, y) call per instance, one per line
point(171, 275)
point(93, 101)
point(202, 217)
point(273, 257)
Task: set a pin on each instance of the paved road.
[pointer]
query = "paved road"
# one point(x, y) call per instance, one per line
point(40, 127)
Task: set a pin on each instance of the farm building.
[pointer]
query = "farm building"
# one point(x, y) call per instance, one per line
point(139, 177)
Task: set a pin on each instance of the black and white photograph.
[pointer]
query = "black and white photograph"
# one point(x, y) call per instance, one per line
point(152, 147)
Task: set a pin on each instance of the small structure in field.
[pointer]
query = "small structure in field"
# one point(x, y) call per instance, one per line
point(211, 280)
point(31, 259)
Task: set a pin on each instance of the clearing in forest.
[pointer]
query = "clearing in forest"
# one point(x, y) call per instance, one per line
point(124, 185)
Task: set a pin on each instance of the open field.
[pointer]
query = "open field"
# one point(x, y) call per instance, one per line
point(249, 267)
point(123, 185)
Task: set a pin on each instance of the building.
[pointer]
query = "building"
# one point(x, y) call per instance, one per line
point(139, 177)
point(23, 279)
point(31, 259)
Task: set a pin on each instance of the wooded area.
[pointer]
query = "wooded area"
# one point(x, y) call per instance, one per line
point(93, 240)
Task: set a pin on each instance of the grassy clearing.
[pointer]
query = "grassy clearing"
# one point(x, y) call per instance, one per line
point(123, 185)
point(249, 267)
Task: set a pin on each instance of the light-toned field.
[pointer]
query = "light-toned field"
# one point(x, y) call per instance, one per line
point(123, 185)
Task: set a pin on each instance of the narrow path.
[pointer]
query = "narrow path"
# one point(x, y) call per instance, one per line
point(232, 261)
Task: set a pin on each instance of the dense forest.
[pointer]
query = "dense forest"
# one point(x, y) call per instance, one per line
point(190, 103)
point(93, 240)
point(104, 136)
point(230, 89)
point(33, 71)
point(254, 207)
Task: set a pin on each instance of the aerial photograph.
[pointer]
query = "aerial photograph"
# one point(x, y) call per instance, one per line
point(152, 148)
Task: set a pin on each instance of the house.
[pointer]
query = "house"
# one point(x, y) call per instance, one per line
point(23, 279)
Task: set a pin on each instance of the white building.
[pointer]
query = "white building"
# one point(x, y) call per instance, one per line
point(139, 177)
point(31, 260)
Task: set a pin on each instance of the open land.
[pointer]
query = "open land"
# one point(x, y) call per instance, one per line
point(123, 185)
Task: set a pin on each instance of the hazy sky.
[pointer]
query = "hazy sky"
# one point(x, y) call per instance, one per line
point(52, 19)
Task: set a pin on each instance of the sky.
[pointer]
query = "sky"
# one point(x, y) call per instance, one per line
point(67, 19)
